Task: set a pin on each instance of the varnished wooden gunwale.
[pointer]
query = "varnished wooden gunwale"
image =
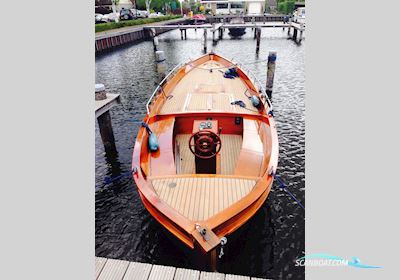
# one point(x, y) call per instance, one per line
point(230, 218)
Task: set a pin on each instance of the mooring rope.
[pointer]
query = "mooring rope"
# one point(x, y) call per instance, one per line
point(109, 180)
point(284, 187)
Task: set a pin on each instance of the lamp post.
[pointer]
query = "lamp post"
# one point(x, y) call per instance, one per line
point(181, 1)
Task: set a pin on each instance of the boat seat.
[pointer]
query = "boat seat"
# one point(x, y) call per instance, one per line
point(251, 155)
point(164, 156)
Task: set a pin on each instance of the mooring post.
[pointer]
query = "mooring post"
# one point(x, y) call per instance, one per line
point(205, 39)
point(295, 34)
point(161, 65)
point(104, 121)
point(258, 31)
point(270, 74)
point(213, 32)
point(155, 39)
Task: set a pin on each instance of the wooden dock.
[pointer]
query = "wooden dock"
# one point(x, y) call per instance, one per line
point(111, 39)
point(102, 106)
point(111, 269)
point(219, 28)
point(226, 25)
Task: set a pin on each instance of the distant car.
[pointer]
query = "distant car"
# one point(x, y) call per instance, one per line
point(299, 15)
point(140, 13)
point(126, 14)
point(158, 14)
point(99, 18)
point(110, 17)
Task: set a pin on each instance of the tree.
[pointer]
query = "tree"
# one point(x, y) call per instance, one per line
point(133, 3)
point(148, 3)
point(157, 5)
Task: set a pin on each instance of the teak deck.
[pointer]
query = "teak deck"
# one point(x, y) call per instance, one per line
point(208, 92)
point(201, 198)
point(229, 154)
point(172, 182)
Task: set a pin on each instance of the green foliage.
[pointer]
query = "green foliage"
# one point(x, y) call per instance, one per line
point(286, 6)
point(290, 7)
point(157, 5)
point(113, 25)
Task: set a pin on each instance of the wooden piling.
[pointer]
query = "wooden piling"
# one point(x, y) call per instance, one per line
point(258, 37)
point(205, 39)
point(106, 132)
point(155, 39)
point(270, 74)
point(213, 32)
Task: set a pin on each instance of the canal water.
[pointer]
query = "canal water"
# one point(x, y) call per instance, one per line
point(268, 245)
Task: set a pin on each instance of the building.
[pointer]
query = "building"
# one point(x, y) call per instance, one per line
point(272, 5)
point(225, 7)
point(105, 6)
point(127, 4)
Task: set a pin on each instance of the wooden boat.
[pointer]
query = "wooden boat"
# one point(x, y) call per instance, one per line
point(237, 31)
point(205, 156)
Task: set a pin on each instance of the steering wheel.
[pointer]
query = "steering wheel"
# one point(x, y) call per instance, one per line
point(206, 145)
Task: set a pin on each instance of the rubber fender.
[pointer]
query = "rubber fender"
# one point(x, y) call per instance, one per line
point(255, 101)
point(153, 142)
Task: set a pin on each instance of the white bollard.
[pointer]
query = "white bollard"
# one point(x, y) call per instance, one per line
point(100, 92)
point(161, 65)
